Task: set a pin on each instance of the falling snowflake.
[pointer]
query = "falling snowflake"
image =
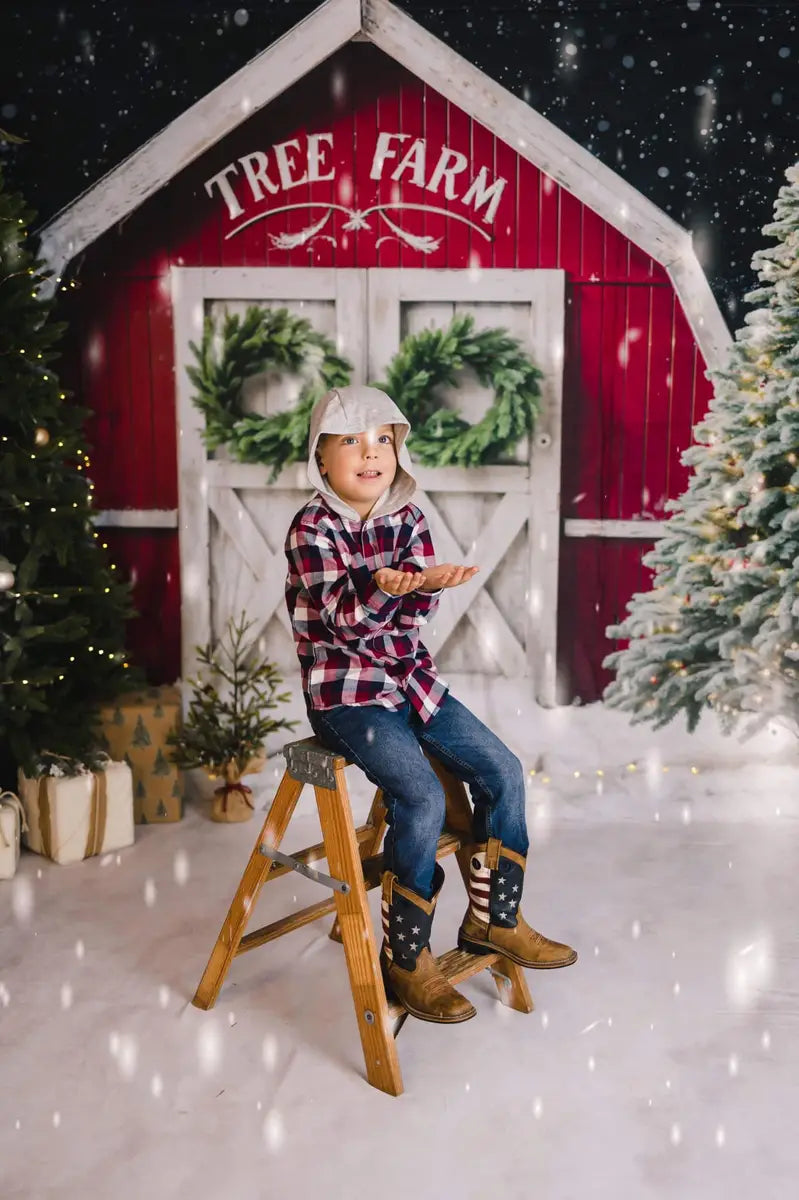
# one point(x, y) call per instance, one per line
point(209, 1048)
point(22, 899)
point(181, 867)
point(273, 1130)
point(749, 971)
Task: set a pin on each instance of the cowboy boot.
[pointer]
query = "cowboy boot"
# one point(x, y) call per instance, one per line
point(410, 972)
point(493, 920)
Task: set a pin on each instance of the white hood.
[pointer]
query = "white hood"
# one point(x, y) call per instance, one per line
point(355, 409)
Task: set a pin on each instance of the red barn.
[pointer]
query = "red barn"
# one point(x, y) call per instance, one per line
point(360, 172)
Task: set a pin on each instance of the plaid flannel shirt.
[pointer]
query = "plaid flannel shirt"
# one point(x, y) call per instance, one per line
point(356, 643)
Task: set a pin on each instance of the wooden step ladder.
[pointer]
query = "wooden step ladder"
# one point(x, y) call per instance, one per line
point(355, 867)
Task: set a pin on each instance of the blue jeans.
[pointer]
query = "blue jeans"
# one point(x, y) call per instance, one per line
point(387, 746)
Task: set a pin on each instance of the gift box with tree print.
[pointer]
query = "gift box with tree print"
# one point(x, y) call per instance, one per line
point(134, 730)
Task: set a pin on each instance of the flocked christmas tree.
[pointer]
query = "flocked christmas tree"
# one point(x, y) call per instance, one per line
point(62, 604)
point(720, 627)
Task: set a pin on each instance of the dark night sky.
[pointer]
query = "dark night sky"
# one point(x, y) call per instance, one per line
point(694, 102)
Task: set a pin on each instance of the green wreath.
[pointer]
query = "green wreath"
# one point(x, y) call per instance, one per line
point(262, 339)
point(432, 358)
point(276, 338)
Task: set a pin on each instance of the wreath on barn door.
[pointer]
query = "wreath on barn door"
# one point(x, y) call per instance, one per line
point(275, 338)
point(432, 358)
point(263, 339)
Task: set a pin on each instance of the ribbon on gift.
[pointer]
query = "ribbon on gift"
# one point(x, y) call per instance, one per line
point(225, 791)
point(98, 815)
point(11, 800)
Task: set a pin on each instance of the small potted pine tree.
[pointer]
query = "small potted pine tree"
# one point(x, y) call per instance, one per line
point(226, 725)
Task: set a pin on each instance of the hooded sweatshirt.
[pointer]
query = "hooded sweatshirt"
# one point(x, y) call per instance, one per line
point(356, 643)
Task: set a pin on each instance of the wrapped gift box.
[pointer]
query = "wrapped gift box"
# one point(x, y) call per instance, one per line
point(71, 817)
point(134, 730)
point(12, 823)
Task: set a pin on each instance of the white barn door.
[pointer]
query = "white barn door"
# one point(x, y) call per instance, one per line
point(232, 521)
point(505, 519)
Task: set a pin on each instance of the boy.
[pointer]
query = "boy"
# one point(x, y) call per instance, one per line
point(361, 581)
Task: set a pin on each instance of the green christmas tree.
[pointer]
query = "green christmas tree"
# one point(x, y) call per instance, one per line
point(226, 721)
point(62, 605)
point(720, 628)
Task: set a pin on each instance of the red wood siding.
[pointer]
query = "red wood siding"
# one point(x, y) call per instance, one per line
point(634, 387)
point(634, 382)
point(599, 577)
point(150, 559)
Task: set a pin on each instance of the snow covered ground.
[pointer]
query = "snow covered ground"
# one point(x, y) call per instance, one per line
point(663, 1064)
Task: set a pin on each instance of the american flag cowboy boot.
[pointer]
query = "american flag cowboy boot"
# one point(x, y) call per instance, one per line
point(494, 921)
point(410, 972)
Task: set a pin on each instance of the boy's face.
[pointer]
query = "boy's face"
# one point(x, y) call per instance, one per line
point(345, 457)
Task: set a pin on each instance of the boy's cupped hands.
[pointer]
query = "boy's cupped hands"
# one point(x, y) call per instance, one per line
point(399, 583)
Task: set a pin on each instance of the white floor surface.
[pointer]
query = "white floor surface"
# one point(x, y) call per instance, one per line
point(665, 1063)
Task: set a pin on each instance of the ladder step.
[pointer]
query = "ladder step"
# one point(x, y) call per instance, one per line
point(373, 867)
point(457, 965)
point(448, 843)
point(268, 933)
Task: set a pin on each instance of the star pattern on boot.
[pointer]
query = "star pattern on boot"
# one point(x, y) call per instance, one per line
point(505, 891)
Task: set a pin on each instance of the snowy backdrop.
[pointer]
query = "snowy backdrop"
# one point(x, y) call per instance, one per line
point(664, 1065)
point(692, 101)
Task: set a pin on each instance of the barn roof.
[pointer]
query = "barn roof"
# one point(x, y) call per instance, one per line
point(304, 47)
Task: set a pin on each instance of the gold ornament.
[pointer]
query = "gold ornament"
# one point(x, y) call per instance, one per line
point(41, 437)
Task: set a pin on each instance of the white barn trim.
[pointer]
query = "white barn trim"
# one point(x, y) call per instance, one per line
point(314, 39)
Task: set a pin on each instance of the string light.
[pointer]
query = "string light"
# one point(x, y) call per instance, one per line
point(665, 769)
